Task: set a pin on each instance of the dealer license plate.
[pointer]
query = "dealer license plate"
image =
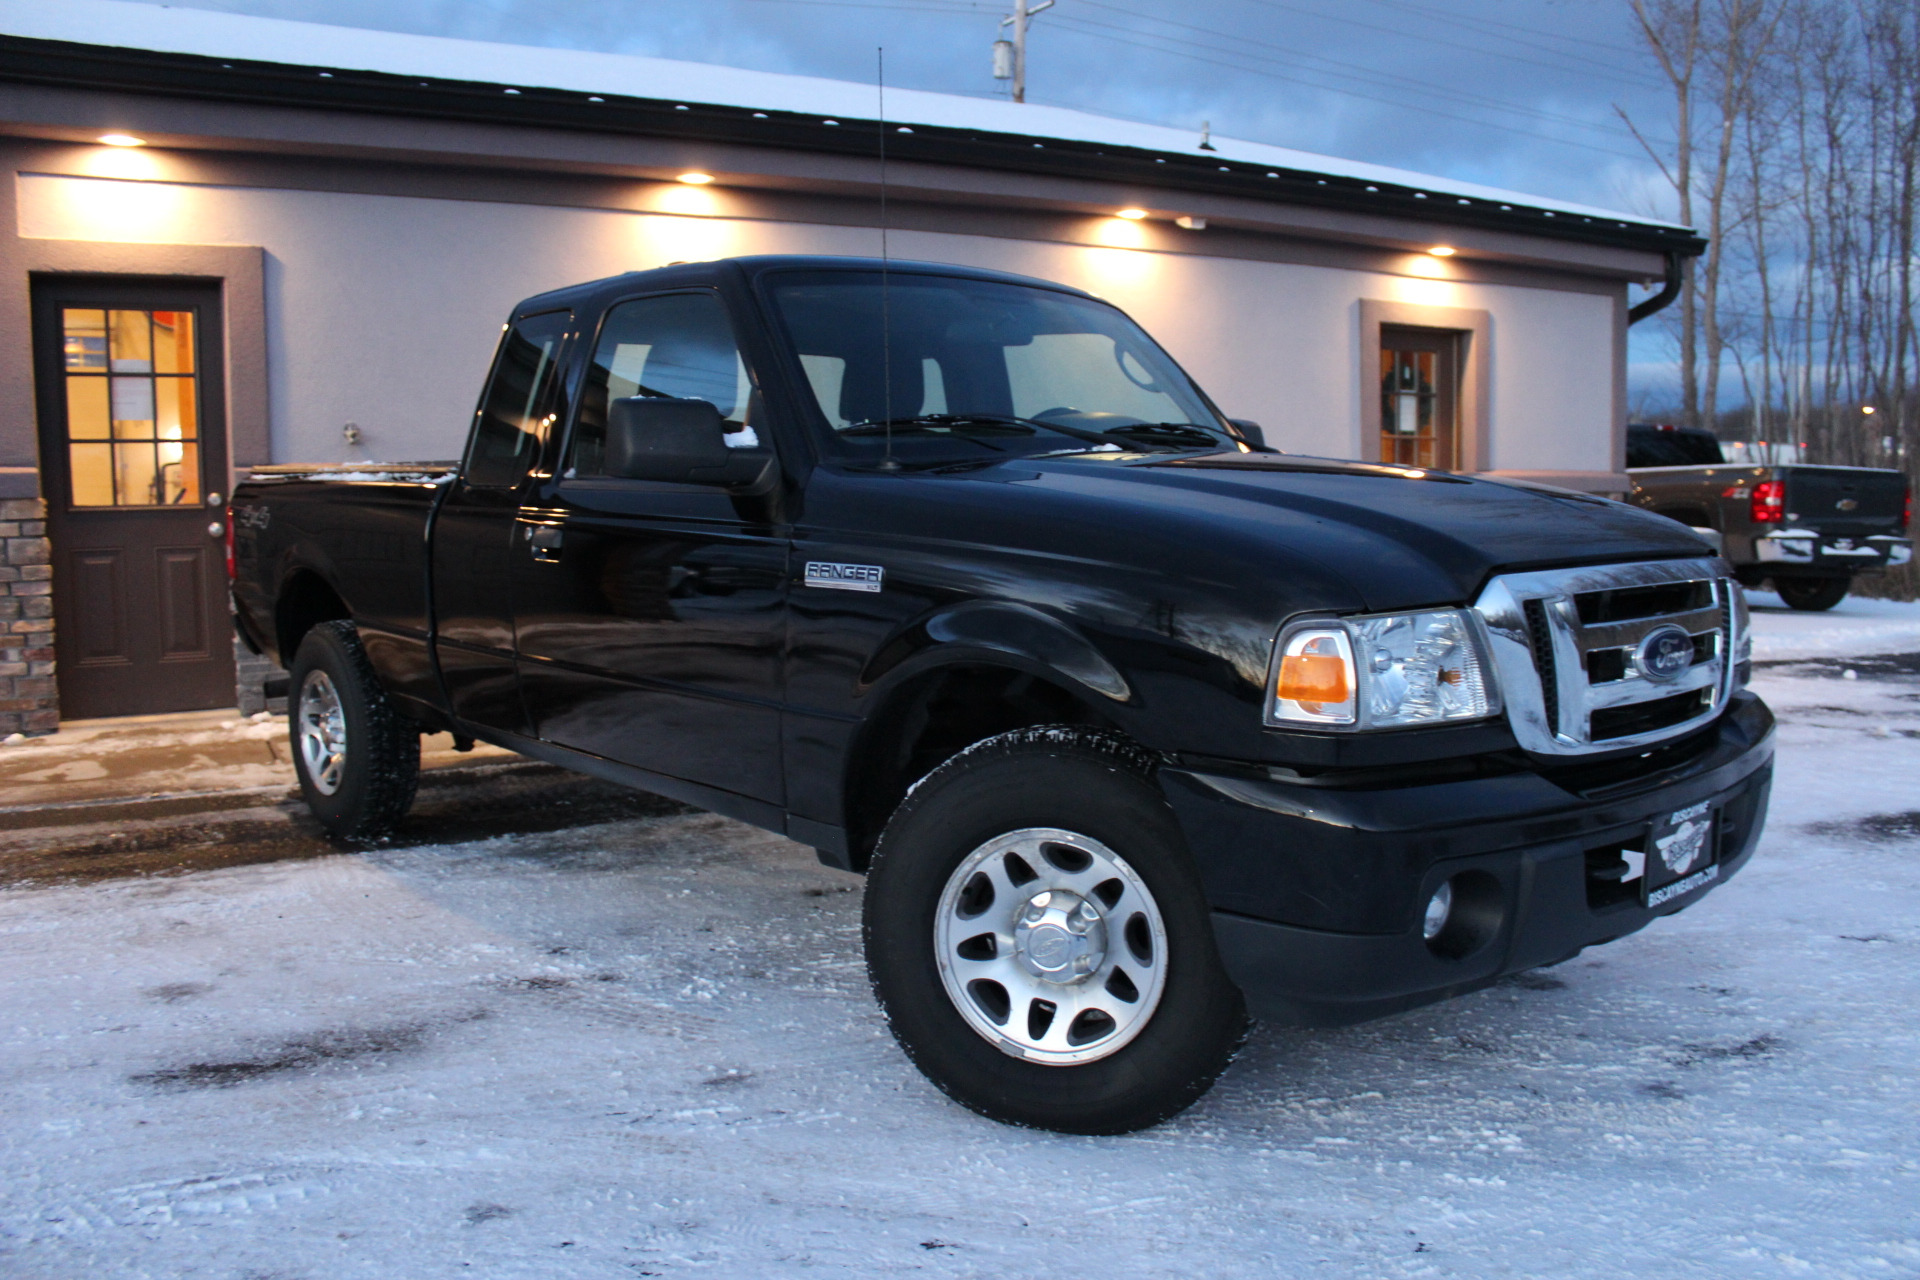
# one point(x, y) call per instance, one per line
point(1680, 852)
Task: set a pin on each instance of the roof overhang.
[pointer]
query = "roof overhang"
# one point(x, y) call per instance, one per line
point(111, 69)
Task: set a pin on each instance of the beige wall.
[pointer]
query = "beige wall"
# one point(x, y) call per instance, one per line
point(383, 310)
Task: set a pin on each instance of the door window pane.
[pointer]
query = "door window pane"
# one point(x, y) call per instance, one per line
point(522, 402)
point(677, 345)
point(132, 408)
point(173, 342)
point(92, 466)
point(85, 340)
point(130, 341)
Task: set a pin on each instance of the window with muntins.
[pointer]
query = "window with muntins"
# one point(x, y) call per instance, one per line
point(133, 434)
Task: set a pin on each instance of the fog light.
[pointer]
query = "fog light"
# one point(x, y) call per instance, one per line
point(1439, 909)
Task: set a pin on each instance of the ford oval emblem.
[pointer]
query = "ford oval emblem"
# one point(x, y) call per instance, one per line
point(1664, 654)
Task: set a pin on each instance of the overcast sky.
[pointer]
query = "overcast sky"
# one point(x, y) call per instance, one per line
point(1514, 93)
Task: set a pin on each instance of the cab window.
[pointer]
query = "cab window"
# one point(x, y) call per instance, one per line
point(522, 401)
point(677, 345)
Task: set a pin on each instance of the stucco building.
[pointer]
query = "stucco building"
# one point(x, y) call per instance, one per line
point(226, 241)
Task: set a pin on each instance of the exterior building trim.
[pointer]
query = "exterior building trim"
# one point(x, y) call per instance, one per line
point(241, 273)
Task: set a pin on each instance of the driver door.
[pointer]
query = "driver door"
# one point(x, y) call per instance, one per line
point(651, 616)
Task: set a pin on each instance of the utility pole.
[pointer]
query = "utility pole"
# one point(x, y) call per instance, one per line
point(1010, 56)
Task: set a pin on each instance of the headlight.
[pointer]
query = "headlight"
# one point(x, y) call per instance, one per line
point(1387, 672)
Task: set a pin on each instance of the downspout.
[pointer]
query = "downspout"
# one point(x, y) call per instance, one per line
point(1661, 300)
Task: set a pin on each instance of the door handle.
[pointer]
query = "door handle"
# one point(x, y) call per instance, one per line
point(544, 540)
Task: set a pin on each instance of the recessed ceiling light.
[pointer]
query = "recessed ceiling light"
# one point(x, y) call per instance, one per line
point(1441, 251)
point(696, 179)
point(122, 140)
point(1133, 215)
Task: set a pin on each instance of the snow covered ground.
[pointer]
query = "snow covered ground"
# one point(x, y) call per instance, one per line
point(647, 1048)
point(1852, 627)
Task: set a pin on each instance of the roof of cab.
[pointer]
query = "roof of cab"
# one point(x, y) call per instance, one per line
point(756, 265)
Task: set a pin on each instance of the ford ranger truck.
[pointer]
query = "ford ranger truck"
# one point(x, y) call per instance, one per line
point(1807, 530)
point(1135, 726)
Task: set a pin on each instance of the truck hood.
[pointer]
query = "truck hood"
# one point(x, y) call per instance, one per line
point(1395, 537)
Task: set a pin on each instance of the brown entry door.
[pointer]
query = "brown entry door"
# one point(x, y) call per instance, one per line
point(133, 465)
point(1419, 397)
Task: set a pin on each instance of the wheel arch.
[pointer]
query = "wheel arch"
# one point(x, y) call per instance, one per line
point(936, 704)
point(306, 599)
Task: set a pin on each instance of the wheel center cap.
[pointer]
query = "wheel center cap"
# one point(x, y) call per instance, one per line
point(1060, 936)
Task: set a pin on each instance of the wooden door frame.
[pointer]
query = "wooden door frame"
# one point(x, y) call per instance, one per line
point(1473, 331)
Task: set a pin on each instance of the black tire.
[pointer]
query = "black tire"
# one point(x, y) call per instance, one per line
point(1082, 782)
point(363, 791)
point(1814, 595)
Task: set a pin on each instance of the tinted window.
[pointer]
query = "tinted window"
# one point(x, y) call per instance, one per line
point(522, 400)
point(677, 345)
point(939, 349)
point(1651, 446)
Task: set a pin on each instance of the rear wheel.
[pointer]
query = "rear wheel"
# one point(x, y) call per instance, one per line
point(1038, 939)
point(357, 757)
point(1814, 595)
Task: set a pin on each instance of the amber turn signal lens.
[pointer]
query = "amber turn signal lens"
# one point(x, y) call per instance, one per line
point(1313, 677)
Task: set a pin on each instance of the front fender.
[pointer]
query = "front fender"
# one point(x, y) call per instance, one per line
point(1015, 631)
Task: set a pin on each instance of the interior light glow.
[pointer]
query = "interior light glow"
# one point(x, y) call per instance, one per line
point(122, 140)
point(1441, 251)
point(696, 178)
point(1132, 215)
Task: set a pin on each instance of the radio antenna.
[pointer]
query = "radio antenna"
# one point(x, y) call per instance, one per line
point(887, 463)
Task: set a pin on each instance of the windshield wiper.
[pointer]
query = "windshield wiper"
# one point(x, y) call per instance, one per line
point(1180, 434)
point(1010, 420)
point(928, 423)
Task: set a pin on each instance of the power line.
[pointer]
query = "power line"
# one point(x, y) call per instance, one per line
point(1104, 32)
point(1350, 70)
point(1561, 67)
point(1413, 7)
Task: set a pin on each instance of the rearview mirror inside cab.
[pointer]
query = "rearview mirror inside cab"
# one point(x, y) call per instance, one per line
point(660, 438)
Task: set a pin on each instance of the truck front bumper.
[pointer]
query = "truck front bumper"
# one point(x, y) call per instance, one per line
point(1319, 892)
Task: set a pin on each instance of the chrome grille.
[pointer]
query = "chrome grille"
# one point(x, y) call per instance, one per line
point(1565, 644)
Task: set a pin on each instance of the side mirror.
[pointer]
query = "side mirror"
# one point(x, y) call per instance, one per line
point(1250, 432)
point(657, 438)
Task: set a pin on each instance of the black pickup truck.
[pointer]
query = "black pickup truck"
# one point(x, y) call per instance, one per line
point(1134, 725)
point(1808, 530)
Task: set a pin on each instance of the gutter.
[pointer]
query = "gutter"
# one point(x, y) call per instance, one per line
point(1676, 274)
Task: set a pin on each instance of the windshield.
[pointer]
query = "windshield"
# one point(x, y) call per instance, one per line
point(982, 368)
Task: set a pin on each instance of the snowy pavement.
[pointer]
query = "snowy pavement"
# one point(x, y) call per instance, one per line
point(646, 1047)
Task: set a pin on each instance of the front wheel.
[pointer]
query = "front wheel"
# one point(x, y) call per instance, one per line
point(357, 757)
point(1037, 936)
point(1814, 595)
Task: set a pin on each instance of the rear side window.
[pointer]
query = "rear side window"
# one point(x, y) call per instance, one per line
point(1652, 446)
point(678, 345)
point(522, 401)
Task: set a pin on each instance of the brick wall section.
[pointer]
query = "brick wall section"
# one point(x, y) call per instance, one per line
point(251, 672)
point(28, 701)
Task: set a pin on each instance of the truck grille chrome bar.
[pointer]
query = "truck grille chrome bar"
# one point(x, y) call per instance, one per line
point(1612, 657)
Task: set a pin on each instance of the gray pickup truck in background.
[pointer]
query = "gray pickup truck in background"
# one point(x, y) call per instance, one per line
point(1806, 529)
